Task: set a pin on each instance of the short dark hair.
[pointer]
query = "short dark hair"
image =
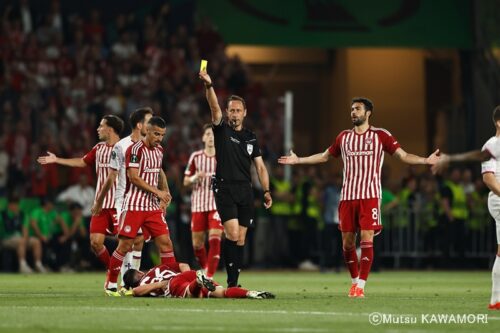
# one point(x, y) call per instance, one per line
point(157, 121)
point(365, 101)
point(236, 98)
point(496, 114)
point(131, 278)
point(207, 126)
point(138, 116)
point(114, 122)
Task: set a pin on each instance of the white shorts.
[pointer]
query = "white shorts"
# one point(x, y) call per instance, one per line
point(494, 209)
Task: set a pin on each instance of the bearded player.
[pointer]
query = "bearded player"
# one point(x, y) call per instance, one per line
point(362, 150)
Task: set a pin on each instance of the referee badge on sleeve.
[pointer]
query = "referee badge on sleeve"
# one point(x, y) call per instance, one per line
point(249, 149)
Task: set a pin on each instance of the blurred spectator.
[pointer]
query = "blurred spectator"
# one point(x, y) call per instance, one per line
point(452, 221)
point(42, 223)
point(68, 233)
point(4, 167)
point(82, 193)
point(14, 235)
point(331, 239)
point(280, 212)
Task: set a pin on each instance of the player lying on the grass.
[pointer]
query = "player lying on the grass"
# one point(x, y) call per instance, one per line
point(169, 281)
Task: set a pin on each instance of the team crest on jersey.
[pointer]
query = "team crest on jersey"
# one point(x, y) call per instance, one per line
point(368, 141)
point(134, 159)
point(249, 149)
point(113, 155)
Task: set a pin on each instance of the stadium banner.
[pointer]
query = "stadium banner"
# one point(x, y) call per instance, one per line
point(343, 23)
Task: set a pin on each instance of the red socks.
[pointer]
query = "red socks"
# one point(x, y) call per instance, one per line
point(167, 258)
point(235, 292)
point(115, 264)
point(213, 255)
point(351, 261)
point(201, 255)
point(366, 259)
point(103, 256)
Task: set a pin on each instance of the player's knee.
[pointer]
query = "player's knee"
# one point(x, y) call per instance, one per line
point(348, 244)
point(197, 244)
point(96, 246)
point(125, 246)
point(138, 243)
point(232, 235)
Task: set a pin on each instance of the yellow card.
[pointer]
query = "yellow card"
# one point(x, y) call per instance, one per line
point(203, 66)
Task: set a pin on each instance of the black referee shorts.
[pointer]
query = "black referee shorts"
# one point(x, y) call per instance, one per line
point(234, 201)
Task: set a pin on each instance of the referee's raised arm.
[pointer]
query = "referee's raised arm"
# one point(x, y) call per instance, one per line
point(211, 98)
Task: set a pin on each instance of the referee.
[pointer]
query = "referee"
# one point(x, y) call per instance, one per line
point(235, 149)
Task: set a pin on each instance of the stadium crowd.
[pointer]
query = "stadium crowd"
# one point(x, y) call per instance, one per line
point(61, 72)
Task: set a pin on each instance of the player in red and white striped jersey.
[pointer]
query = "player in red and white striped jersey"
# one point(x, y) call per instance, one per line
point(169, 281)
point(362, 150)
point(204, 216)
point(117, 174)
point(104, 223)
point(141, 208)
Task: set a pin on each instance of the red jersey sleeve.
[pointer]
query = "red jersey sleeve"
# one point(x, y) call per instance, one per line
point(191, 167)
point(389, 142)
point(334, 149)
point(89, 158)
point(133, 157)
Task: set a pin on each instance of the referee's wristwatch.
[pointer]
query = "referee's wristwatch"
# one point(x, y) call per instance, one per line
point(266, 191)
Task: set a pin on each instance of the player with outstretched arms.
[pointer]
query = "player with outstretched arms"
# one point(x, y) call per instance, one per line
point(204, 215)
point(362, 151)
point(117, 173)
point(489, 155)
point(104, 223)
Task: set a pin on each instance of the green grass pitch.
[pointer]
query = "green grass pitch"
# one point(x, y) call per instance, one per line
point(306, 302)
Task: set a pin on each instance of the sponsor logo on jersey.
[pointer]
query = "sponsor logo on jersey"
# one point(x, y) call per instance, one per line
point(249, 149)
point(359, 153)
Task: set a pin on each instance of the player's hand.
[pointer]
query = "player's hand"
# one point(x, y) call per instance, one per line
point(290, 159)
point(163, 206)
point(96, 208)
point(268, 200)
point(441, 165)
point(433, 158)
point(205, 77)
point(50, 158)
point(164, 196)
